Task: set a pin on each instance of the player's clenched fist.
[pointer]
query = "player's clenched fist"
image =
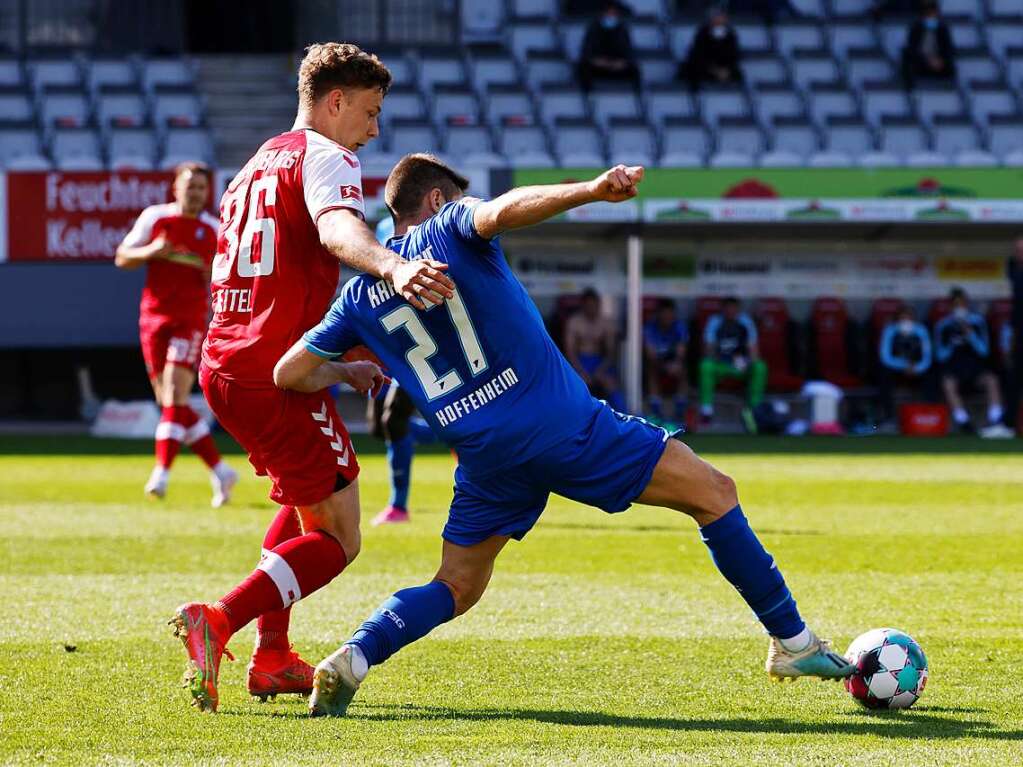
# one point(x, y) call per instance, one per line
point(363, 376)
point(422, 282)
point(617, 184)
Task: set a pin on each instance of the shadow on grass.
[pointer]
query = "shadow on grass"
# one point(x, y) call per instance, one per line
point(919, 723)
point(684, 528)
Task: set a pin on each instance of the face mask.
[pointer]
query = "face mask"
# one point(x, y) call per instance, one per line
point(931, 22)
point(718, 32)
point(905, 327)
point(961, 312)
point(609, 22)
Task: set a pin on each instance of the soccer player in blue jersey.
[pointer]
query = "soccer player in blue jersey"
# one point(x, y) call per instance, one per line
point(487, 377)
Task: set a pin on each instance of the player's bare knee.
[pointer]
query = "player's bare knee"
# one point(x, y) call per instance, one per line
point(727, 492)
point(351, 542)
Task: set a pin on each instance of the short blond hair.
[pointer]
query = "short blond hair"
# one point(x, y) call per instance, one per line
point(338, 65)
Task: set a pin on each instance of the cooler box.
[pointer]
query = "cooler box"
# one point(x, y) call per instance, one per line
point(920, 419)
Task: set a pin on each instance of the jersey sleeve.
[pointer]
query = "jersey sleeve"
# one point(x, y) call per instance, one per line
point(458, 218)
point(335, 334)
point(331, 180)
point(141, 232)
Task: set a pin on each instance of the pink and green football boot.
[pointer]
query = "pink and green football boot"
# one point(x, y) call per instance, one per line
point(204, 631)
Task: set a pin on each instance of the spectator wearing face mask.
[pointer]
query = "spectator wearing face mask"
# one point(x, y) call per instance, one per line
point(905, 353)
point(714, 54)
point(929, 51)
point(607, 50)
point(962, 348)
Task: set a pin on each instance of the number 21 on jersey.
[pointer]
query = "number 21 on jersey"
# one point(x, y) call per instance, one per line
point(425, 347)
point(240, 246)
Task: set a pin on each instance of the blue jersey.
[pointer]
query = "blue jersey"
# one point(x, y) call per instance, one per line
point(480, 367)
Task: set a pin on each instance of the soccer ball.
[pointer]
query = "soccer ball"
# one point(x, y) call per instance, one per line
point(891, 669)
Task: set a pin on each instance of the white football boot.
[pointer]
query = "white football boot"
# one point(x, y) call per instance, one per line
point(334, 684)
point(222, 479)
point(816, 659)
point(156, 486)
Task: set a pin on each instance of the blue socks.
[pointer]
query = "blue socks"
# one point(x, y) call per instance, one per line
point(399, 456)
point(407, 616)
point(741, 558)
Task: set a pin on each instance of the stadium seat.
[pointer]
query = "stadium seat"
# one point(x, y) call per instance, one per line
point(971, 69)
point(462, 140)
point(809, 8)
point(54, 73)
point(966, 35)
point(882, 312)
point(508, 105)
point(828, 103)
point(12, 74)
point(131, 147)
point(878, 160)
point(120, 108)
point(403, 104)
point(111, 73)
point(869, 67)
point(939, 309)
point(902, 137)
point(517, 140)
point(20, 143)
point(1005, 135)
point(954, 135)
point(880, 104)
point(656, 69)
point(631, 142)
point(178, 109)
point(794, 135)
point(999, 314)
point(1000, 36)
point(853, 9)
point(739, 135)
point(533, 9)
point(1009, 10)
point(933, 102)
point(975, 159)
point(562, 103)
point(764, 70)
point(64, 107)
point(607, 105)
point(488, 71)
point(440, 70)
point(829, 328)
point(187, 144)
point(646, 38)
point(577, 138)
point(648, 9)
point(791, 36)
point(781, 158)
point(176, 73)
point(926, 159)
point(754, 38)
point(548, 70)
point(715, 104)
point(403, 74)
point(408, 136)
point(732, 160)
point(455, 105)
point(987, 104)
point(845, 36)
point(892, 38)
point(829, 159)
point(683, 136)
point(961, 9)
point(667, 102)
point(774, 103)
point(528, 38)
point(1014, 70)
point(15, 108)
point(775, 332)
point(76, 149)
point(680, 159)
point(571, 34)
point(848, 136)
point(811, 69)
point(680, 37)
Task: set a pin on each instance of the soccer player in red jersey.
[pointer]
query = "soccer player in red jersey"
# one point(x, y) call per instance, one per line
point(176, 242)
point(290, 215)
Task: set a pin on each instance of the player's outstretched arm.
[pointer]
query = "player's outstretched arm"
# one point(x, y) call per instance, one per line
point(530, 205)
point(346, 236)
point(131, 257)
point(301, 370)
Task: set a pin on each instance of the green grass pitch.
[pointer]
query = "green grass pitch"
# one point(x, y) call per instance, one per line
point(602, 640)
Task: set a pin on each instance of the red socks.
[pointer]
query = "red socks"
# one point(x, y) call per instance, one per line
point(287, 573)
point(179, 423)
point(272, 627)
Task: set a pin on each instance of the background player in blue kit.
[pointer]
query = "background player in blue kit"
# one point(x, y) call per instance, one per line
point(489, 380)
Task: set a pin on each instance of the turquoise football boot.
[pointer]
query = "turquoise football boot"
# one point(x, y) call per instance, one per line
point(818, 659)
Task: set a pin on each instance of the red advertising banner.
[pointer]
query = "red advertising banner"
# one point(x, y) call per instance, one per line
point(76, 216)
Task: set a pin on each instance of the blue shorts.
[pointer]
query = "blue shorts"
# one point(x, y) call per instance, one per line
point(607, 465)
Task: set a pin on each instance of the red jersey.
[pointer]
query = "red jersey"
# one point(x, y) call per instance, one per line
point(272, 279)
point(177, 287)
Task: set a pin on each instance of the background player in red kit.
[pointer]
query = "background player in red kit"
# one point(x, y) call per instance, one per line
point(290, 215)
point(176, 241)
